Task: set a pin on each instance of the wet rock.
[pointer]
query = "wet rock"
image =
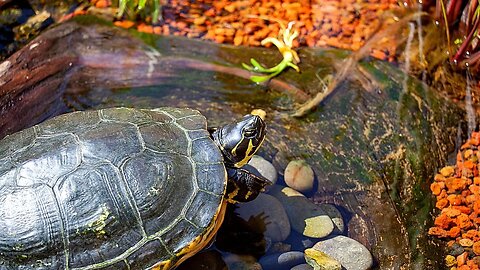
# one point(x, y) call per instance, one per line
point(271, 211)
point(305, 217)
point(321, 261)
point(335, 215)
point(282, 261)
point(350, 253)
point(299, 175)
point(279, 247)
point(456, 249)
point(264, 167)
point(302, 266)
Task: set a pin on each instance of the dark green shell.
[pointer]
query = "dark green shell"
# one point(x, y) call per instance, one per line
point(115, 188)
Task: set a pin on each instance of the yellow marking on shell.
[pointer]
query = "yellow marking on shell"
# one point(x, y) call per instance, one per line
point(199, 243)
point(98, 225)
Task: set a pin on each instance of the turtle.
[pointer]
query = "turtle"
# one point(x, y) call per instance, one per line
point(121, 188)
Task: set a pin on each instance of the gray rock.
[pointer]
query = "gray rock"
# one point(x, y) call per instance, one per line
point(282, 261)
point(267, 207)
point(279, 247)
point(299, 175)
point(302, 266)
point(305, 217)
point(335, 215)
point(350, 253)
point(264, 167)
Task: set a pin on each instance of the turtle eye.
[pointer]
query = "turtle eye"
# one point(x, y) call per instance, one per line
point(249, 132)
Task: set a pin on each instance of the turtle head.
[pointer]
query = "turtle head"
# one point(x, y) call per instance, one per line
point(240, 140)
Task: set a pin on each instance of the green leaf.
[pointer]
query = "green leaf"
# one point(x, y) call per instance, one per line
point(259, 79)
point(257, 66)
point(247, 67)
point(121, 7)
point(156, 11)
point(292, 65)
point(141, 4)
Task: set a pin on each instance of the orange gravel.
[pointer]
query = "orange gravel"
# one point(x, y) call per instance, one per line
point(457, 190)
point(345, 24)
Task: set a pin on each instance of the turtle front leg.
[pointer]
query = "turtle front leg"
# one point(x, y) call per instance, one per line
point(243, 185)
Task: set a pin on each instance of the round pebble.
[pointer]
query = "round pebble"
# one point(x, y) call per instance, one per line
point(305, 217)
point(282, 261)
point(264, 167)
point(302, 266)
point(271, 210)
point(351, 254)
point(299, 175)
point(335, 215)
point(321, 261)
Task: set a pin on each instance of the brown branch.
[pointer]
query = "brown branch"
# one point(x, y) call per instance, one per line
point(352, 61)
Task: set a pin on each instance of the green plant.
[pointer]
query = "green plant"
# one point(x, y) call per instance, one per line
point(463, 19)
point(142, 6)
point(284, 43)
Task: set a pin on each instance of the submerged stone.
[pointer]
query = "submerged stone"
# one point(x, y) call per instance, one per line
point(299, 175)
point(350, 253)
point(305, 217)
point(271, 211)
point(282, 261)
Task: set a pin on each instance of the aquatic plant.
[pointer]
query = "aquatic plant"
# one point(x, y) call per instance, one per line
point(284, 43)
point(462, 19)
point(142, 6)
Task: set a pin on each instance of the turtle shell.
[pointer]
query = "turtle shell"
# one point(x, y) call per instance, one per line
point(115, 188)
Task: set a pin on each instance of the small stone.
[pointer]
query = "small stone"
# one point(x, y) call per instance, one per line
point(456, 249)
point(199, 20)
point(350, 253)
point(321, 261)
point(258, 112)
point(299, 176)
point(302, 266)
point(279, 247)
point(305, 217)
point(335, 215)
point(450, 261)
point(447, 171)
point(282, 261)
point(264, 167)
point(465, 242)
point(476, 248)
point(268, 208)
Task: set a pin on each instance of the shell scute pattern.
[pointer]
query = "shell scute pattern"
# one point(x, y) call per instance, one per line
point(111, 141)
point(112, 194)
point(150, 175)
point(46, 159)
point(68, 123)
